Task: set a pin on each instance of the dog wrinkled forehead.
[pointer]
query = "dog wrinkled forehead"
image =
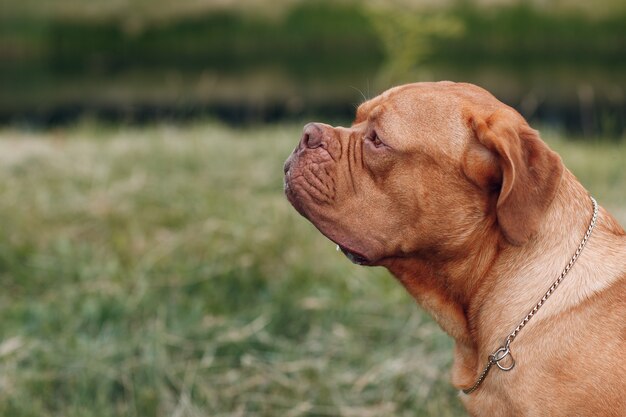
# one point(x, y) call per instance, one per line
point(372, 107)
point(420, 115)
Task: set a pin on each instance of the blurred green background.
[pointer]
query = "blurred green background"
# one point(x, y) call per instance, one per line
point(149, 263)
point(561, 63)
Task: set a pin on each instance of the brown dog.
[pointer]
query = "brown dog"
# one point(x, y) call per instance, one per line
point(459, 198)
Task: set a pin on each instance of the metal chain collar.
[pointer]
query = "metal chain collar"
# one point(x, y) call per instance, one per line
point(504, 350)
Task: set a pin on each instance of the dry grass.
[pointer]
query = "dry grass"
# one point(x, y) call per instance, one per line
point(159, 271)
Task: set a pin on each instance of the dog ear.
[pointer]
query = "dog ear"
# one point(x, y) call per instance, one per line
point(520, 165)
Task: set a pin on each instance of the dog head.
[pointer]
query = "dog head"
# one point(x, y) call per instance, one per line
point(422, 168)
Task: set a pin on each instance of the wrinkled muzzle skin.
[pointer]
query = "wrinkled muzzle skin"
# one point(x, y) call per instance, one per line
point(369, 187)
point(327, 181)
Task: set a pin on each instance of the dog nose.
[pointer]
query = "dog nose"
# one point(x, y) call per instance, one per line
point(311, 136)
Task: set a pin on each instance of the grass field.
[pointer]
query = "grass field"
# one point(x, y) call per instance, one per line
point(159, 271)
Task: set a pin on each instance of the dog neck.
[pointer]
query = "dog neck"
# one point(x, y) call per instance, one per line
point(479, 296)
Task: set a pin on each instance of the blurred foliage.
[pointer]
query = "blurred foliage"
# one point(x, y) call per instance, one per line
point(222, 41)
point(523, 35)
point(408, 39)
point(311, 57)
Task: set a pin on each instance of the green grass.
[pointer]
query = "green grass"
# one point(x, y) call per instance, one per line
point(159, 271)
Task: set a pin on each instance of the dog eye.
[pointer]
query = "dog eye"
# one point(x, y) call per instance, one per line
point(373, 137)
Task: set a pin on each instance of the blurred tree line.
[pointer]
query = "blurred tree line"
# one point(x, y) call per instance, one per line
point(317, 58)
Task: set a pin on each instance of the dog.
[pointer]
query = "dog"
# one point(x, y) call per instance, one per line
point(458, 197)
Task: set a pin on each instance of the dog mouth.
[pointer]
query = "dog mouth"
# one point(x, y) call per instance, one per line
point(297, 202)
point(354, 257)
